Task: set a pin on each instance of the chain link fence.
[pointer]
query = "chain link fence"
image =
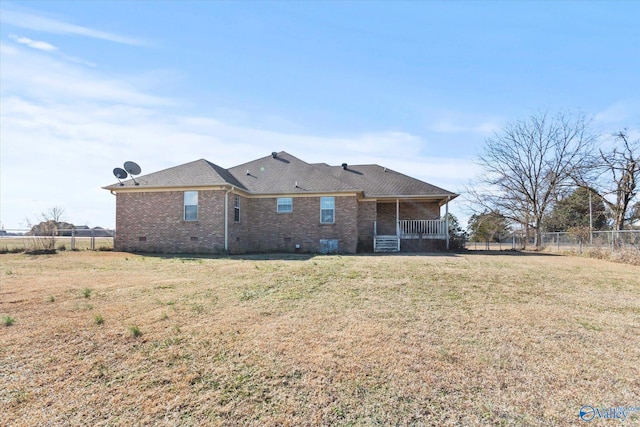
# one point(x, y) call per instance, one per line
point(19, 240)
point(619, 245)
point(562, 241)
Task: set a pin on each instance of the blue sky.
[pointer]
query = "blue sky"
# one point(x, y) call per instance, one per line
point(414, 86)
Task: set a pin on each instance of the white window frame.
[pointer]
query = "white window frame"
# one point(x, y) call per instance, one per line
point(280, 205)
point(189, 198)
point(327, 204)
point(236, 209)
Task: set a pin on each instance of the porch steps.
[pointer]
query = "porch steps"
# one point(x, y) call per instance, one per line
point(386, 244)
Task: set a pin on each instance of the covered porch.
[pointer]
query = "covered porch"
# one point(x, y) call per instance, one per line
point(416, 222)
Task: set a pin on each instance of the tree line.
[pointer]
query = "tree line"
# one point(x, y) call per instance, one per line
point(551, 172)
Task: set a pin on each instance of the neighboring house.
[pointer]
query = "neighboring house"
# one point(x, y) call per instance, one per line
point(278, 203)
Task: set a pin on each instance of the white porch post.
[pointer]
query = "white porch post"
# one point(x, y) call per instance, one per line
point(398, 221)
point(446, 221)
point(397, 217)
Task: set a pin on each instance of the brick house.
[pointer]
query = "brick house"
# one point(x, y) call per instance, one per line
point(278, 203)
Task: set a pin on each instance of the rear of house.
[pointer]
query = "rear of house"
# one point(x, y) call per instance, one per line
point(278, 203)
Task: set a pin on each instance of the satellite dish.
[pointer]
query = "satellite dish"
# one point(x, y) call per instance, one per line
point(120, 174)
point(132, 168)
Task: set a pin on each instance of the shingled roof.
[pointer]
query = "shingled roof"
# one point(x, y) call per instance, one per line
point(282, 173)
point(377, 181)
point(199, 173)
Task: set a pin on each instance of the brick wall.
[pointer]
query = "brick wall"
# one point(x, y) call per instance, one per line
point(262, 229)
point(153, 222)
point(367, 212)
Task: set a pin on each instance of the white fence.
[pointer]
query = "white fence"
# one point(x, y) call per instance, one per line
point(72, 239)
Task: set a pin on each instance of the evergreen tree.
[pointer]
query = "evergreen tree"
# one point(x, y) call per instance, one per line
point(573, 212)
point(488, 227)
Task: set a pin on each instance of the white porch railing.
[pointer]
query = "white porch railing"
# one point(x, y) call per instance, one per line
point(422, 229)
point(409, 229)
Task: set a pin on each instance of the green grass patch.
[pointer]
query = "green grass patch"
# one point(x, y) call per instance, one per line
point(135, 331)
point(8, 320)
point(98, 319)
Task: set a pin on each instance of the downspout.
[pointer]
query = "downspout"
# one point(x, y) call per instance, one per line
point(226, 219)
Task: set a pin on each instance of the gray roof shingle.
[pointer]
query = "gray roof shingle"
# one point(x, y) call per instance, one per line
point(286, 174)
point(198, 173)
point(378, 181)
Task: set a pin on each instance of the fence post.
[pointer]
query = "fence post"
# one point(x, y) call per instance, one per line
point(93, 241)
point(558, 240)
point(73, 238)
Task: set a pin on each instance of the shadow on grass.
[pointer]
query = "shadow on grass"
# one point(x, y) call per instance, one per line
point(248, 257)
point(284, 256)
point(508, 252)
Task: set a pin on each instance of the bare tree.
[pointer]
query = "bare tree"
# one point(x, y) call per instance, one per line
point(616, 174)
point(54, 214)
point(529, 162)
point(45, 233)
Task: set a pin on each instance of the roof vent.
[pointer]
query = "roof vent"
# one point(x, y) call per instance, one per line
point(274, 154)
point(344, 166)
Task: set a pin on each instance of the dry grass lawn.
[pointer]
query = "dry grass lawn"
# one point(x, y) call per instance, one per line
point(103, 338)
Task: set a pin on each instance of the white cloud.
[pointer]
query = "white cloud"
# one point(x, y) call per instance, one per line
point(39, 23)
point(24, 69)
point(33, 43)
point(60, 154)
point(42, 45)
point(624, 113)
point(65, 130)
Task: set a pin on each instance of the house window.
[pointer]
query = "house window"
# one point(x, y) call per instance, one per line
point(190, 205)
point(327, 210)
point(285, 204)
point(236, 209)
